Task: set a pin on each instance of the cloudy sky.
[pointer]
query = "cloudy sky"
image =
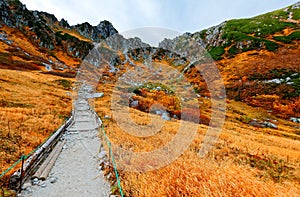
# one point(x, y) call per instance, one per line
point(179, 15)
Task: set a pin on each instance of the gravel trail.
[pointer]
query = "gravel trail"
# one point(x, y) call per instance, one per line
point(76, 171)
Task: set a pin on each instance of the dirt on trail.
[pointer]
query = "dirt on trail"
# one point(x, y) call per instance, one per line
point(76, 172)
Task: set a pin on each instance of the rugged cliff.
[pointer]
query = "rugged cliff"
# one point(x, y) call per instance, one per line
point(33, 39)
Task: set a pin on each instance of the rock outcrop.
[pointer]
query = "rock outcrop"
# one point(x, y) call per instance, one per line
point(96, 33)
point(42, 29)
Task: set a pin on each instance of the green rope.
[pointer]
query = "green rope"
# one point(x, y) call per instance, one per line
point(29, 154)
point(113, 161)
point(25, 157)
point(11, 167)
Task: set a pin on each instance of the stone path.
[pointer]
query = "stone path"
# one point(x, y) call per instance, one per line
point(76, 172)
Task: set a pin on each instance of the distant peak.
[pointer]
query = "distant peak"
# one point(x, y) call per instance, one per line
point(106, 29)
point(104, 22)
point(64, 23)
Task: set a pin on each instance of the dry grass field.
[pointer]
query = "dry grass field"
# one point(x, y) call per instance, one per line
point(245, 161)
point(32, 106)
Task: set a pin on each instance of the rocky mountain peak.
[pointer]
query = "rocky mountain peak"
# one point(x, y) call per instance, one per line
point(45, 31)
point(49, 18)
point(64, 23)
point(212, 37)
point(106, 29)
point(263, 32)
point(96, 33)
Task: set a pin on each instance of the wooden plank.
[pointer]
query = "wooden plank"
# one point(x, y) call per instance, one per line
point(41, 169)
point(32, 163)
point(56, 152)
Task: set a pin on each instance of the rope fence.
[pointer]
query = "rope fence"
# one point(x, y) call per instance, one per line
point(12, 166)
point(24, 157)
point(113, 161)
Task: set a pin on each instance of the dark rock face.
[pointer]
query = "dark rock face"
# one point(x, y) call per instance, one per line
point(50, 35)
point(106, 29)
point(96, 33)
point(48, 18)
point(5, 14)
point(41, 29)
point(87, 30)
point(64, 23)
point(16, 15)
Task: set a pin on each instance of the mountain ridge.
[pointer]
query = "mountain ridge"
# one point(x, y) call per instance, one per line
point(253, 55)
point(256, 154)
point(241, 35)
point(38, 41)
point(61, 46)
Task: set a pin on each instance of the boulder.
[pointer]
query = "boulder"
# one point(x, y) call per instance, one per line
point(296, 120)
point(270, 125)
point(265, 124)
point(166, 116)
point(134, 103)
point(256, 123)
point(26, 185)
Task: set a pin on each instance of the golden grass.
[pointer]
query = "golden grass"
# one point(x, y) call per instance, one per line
point(32, 106)
point(75, 34)
point(19, 40)
point(35, 53)
point(245, 161)
point(246, 64)
point(62, 56)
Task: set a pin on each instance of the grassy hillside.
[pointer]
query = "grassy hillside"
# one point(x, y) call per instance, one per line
point(259, 60)
point(269, 31)
point(246, 161)
point(32, 106)
point(19, 53)
point(252, 56)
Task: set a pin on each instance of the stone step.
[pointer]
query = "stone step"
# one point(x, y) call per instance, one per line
point(83, 126)
point(83, 113)
point(88, 119)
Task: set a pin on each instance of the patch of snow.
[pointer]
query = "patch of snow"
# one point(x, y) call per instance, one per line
point(98, 94)
point(287, 80)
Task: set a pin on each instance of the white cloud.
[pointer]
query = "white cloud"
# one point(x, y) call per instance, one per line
point(180, 15)
point(151, 35)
